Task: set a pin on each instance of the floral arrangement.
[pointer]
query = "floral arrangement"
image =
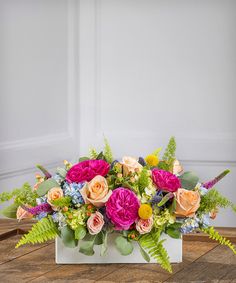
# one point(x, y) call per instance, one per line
point(139, 199)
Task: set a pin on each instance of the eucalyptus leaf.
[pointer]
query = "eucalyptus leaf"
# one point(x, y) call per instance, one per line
point(188, 180)
point(45, 186)
point(123, 245)
point(98, 239)
point(61, 171)
point(68, 237)
point(10, 211)
point(104, 246)
point(83, 158)
point(86, 247)
point(173, 206)
point(80, 232)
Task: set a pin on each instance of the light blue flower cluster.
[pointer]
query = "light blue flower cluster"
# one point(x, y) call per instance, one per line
point(41, 215)
point(57, 177)
point(59, 218)
point(73, 190)
point(41, 200)
point(189, 225)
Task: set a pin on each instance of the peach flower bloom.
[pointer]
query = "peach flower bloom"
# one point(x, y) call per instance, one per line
point(144, 226)
point(187, 202)
point(177, 168)
point(96, 191)
point(130, 165)
point(21, 213)
point(53, 194)
point(95, 223)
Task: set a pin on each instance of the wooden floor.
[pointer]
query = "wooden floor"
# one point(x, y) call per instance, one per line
point(203, 261)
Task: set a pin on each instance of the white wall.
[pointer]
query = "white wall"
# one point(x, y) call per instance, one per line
point(137, 71)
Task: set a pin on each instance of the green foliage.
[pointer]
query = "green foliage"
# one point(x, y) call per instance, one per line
point(87, 245)
point(83, 158)
point(173, 230)
point(169, 154)
point(23, 195)
point(45, 186)
point(107, 151)
point(213, 200)
point(144, 180)
point(68, 237)
point(214, 235)
point(42, 231)
point(157, 151)
point(62, 202)
point(165, 199)
point(188, 180)
point(10, 211)
point(93, 153)
point(45, 172)
point(80, 232)
point(152, 244)
point(61, 171)
point(123, 245)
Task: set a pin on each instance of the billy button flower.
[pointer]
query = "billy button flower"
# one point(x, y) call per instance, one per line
point(152, 160)
point(145, 211)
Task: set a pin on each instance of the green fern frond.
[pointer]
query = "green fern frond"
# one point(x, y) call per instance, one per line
point(213, 200)
point(214, 235)
point(42, 231)
point(107, 151)
point(144, 180)
point(169, 154)
point(93, 153)
point(154, 247)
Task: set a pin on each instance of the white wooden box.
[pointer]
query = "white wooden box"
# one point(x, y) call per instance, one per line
point(66, 255)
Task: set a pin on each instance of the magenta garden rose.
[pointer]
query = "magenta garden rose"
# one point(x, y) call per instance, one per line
point(122, 208)
point(165, 180)
point(87, 170)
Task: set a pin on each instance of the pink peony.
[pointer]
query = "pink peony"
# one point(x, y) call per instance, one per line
point(87, 170)
point(122, 208)
point(165, 180)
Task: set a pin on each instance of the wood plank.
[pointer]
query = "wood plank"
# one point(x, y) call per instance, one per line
point(217, 264)
point(8, 251)
point(153, 272)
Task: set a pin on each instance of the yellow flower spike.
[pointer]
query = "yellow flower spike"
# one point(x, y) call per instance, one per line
point(145, 211)
point(152, 160)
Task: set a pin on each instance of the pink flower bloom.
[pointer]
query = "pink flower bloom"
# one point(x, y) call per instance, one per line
point(144, 226)
point(87, 170)
point(122, 208)
point(95, 223)
point(165, 180)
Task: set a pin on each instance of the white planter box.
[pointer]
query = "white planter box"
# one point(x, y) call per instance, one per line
point(66, 255)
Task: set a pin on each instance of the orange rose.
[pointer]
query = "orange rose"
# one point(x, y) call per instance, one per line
point(130, 165)
point(53, 194)
point(96, 191)
point(187, 202)
point(21, 213)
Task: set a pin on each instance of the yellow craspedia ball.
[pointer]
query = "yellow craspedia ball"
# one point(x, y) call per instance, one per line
point(152, 160)
point(145, 211)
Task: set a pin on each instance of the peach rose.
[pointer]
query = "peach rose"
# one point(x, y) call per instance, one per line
point(144, 226)
point(53, 194)
point(177, 168)
point(130, 165)
point(187, 202)
point(95, 223)
point(96, 191)
point(21, 213)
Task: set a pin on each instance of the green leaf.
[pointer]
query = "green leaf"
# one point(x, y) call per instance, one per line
point(165, 199)
point(86, 247)
point(144, 254)
point(44, 170)
point(61, 171)
point(123, 245)
point(104, 246)
point(68, 237)
point(61, 202)
point(100, 156)
point(157, 151)
point(98, 239)
point(45, 186)
point(80, 232)
point(10, 211)
point(83, 158)
point(173, 232)
point(173, 206)
point(188, 180)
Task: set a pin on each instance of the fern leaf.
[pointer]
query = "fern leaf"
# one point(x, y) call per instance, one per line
point(93, 153)
point(169, 154)
point(152, 244)
point(214, 235)
point(107, 151)
point(42, 231)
